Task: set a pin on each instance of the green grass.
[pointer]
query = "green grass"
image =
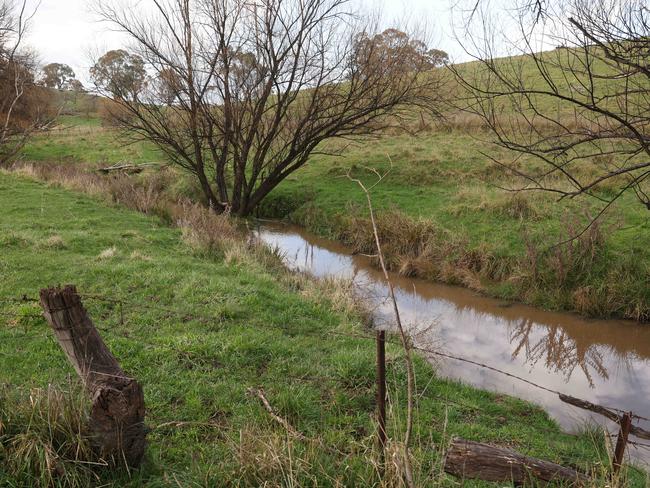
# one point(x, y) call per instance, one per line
point(78, 138)
point(199, 330)
point(441, 178)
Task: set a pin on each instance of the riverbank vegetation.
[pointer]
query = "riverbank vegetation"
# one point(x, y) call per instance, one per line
point(446, 143)
point(441, 215)
point(444, 218)
point(201, 322)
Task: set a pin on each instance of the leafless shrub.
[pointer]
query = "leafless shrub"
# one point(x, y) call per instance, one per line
point(583, 105)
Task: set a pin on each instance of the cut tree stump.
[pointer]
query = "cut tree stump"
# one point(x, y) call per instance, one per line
point(117, 414)
point(474, 460)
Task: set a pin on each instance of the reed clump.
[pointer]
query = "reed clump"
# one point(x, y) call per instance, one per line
point(575, 273)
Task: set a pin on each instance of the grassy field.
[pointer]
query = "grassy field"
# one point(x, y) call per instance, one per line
point(443, 216)
point(198, 329)
point(84, 139)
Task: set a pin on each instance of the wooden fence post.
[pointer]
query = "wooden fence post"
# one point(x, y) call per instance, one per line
point(381, 392)
point(621, 442)
point(117, 414)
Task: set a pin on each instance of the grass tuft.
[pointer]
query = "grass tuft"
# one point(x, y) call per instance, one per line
point(109, 253)
point(55, 242)
point(43, 438)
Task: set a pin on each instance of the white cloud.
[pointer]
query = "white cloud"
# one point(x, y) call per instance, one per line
point(66, 31)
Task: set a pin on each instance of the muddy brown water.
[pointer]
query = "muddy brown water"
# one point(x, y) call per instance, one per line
point(602, 361)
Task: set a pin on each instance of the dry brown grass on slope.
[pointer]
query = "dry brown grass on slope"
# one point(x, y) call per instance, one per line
point(147, 194)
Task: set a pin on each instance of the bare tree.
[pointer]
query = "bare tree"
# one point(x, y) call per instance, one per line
point(242, 93)
point(582, 110)
point(23, 107)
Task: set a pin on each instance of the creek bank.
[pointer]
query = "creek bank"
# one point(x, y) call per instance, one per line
point(560, 351)
point(198, 372)
point(584, 275)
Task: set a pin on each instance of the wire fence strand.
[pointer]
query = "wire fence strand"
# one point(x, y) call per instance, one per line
point(185, 316)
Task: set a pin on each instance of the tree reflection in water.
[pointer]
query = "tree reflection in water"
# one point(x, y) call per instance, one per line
point(560, 352)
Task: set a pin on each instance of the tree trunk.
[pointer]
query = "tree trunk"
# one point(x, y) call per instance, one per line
point(474, 460)
point(213, 203)
point(117, 413)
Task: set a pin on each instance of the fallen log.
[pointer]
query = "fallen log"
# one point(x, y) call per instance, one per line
point(130, 168)
point(605, 412)
point(117, 413)
point(474, 460)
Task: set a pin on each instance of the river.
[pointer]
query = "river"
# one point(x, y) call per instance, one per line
point(602, 361)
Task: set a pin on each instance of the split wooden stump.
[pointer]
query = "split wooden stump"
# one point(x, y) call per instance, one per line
point(474, 460)
point(117, 413)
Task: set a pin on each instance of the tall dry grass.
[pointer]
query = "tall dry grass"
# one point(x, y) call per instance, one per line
point(43, 438)
point(419, 247)
point(575, 274)
point(151, 193)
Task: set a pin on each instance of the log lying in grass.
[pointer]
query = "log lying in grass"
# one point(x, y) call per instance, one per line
point(129, 168)
point(117, 414)
point(474, 460)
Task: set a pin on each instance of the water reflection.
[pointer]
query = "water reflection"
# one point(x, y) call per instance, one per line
point(603, 361)
point(560, 352)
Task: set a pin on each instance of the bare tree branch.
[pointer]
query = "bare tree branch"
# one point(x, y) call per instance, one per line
point(583, 111)
point(24, 107)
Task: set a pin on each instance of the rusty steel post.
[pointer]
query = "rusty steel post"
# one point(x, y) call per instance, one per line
point(381, 391)
point(621, 442)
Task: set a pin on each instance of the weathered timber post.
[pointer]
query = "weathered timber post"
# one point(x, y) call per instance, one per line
point(381, 393)
point(621, 442)
point(474, 460)
point(117, 414)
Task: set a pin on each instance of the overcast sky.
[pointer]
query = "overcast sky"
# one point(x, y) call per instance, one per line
point(66, 31)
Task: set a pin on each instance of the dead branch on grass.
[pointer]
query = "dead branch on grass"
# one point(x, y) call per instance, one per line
point(259, 393)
